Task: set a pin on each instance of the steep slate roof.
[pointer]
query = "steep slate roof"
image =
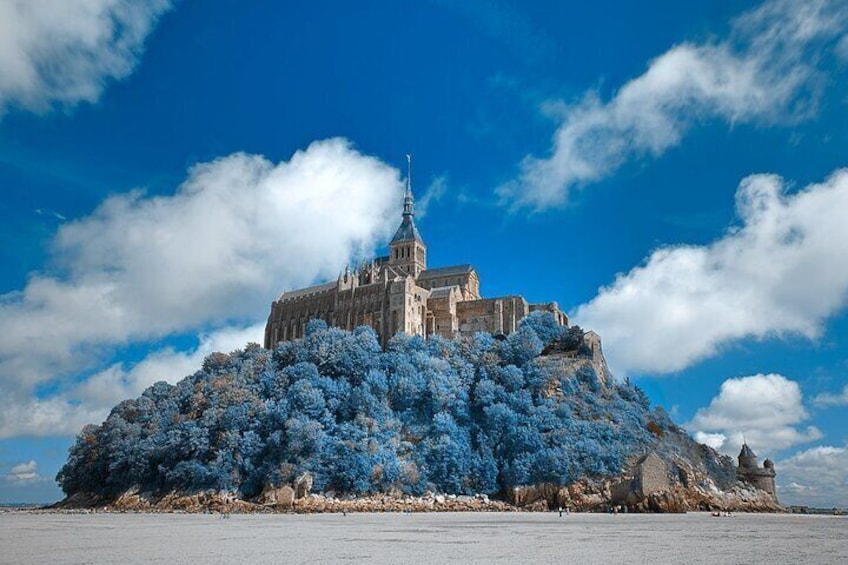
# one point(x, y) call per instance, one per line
point(306, 291)
point(407, 230)
point(446, 271)
point(746, 451)
point(443, 291)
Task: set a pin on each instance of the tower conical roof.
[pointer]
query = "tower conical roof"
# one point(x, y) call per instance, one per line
point(407, 231)
point(746, 451)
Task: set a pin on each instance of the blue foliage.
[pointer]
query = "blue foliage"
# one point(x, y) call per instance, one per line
point(544, 326)
point(464, 416)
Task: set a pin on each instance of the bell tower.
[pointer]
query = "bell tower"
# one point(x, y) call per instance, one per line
point(407, 251)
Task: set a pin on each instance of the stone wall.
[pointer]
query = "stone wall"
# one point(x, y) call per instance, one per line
point(553, 309)
point(494, 315)
point(651, 475)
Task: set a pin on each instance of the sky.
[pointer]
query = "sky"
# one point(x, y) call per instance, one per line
point(673, 174)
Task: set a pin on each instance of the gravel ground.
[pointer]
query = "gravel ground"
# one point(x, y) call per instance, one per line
point(537, 538)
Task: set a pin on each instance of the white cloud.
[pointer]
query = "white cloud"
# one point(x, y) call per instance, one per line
point(90, 400)
point(118, 382)
point(62, 52)
point(817, 476)
point(829, 399)
point(714, 440)
point(765, 410)
point(435, 191)
point(24, 473)
point(763, 72)
point(237, 232)
point(781, 272)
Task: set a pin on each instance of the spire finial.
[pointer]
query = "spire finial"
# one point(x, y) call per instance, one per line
point(407, 199)
point(409, 173)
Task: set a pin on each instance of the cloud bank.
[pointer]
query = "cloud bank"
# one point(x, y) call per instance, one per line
point(764, 410)
point(216, 253)
point(782, 271)
point(62, 53)
point(764, 72)
point(817, 476)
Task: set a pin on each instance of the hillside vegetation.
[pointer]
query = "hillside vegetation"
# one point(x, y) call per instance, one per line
point(465, 416)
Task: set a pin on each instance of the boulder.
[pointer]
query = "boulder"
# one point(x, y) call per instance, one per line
point(529, 494)
point(280, 497)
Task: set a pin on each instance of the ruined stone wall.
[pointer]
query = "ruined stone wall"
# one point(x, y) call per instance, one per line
point(651, 476)
point(592, 342)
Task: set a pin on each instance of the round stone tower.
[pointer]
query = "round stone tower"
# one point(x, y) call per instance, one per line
point(750, 472)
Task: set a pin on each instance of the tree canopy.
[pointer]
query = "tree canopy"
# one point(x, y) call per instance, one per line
point(469, 416)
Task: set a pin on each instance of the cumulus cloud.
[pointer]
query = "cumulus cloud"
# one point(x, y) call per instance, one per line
point(24, 473)
point(90, 400)
point(830, 399)
point(764, 410)
point(238, 231)
point(118, 382)
point(763, 72)
point(66, 52)
point(782, 271)
point(816, 476)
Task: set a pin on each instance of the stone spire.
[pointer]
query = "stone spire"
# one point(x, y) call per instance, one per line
point(407, 230)
point(407, 252)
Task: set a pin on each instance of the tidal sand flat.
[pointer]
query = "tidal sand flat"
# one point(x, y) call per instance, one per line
point(421, 538)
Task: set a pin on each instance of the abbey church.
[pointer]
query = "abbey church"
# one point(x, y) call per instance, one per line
point(398, 293)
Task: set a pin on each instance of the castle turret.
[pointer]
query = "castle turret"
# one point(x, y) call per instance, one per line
point(750, 472)
point(747, 458)
point(407, 251)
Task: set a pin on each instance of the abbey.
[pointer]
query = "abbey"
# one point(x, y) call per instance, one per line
point(398, 293)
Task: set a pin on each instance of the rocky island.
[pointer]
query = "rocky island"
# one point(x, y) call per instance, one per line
point(333, 422)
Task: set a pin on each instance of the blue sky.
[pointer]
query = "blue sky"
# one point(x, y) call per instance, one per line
point(670, 173)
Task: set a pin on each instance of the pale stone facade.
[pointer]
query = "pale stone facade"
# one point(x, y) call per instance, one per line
point(398, 293)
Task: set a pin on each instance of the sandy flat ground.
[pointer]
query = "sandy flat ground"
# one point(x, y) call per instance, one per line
point(421, 538)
